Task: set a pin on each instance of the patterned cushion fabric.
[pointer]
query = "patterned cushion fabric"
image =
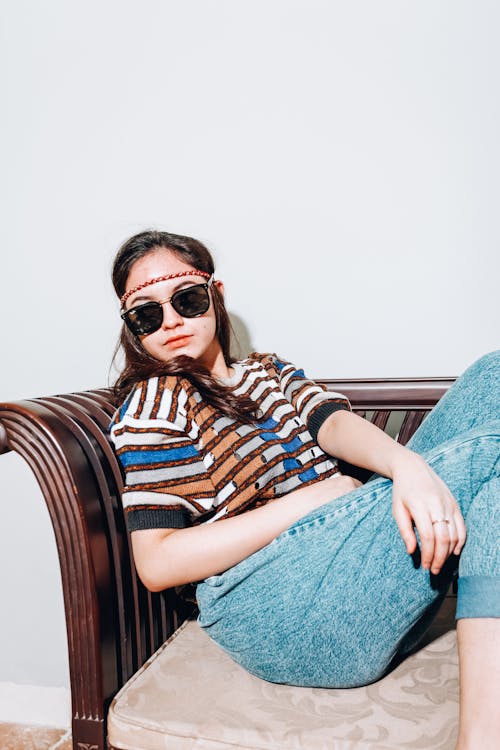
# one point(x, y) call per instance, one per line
point(191, 696)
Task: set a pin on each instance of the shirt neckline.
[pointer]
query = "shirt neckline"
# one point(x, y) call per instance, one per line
point(237, 375)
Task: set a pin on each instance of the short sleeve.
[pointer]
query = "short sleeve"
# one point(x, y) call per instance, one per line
point(313, 402)
point(166, 482)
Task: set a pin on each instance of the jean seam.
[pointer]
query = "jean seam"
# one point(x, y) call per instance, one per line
point(358, 503)
point(457, 443)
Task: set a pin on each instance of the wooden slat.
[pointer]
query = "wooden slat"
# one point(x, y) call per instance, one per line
point(380, 419)
point(411, 422)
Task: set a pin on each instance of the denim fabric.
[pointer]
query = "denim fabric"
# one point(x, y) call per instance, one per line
point(335, 598)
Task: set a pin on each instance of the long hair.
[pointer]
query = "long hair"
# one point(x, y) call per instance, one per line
point(139, 365)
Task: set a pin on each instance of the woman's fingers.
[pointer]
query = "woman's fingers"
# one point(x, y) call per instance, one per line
point(441, 534)
point(452, 535)
point(437, 533)
point(461, 532)
point(442, 546)
point(458, 531)
point(405, 525)
point(428, 540)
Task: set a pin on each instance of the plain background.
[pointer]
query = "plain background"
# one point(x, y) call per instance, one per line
point(341, 160)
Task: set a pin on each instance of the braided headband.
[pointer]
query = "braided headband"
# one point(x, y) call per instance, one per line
point(162, 278)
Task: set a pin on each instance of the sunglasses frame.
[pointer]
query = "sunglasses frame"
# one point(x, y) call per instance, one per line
point(125, 314)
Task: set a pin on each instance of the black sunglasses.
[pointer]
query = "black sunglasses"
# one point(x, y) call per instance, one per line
point(148, 317)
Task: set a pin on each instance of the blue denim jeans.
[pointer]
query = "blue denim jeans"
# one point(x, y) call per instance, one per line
point(335, 598)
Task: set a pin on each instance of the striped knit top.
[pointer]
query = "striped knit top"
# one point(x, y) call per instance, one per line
point(187, 464)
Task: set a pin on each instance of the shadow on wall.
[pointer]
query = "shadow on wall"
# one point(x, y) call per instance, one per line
point(242, 345)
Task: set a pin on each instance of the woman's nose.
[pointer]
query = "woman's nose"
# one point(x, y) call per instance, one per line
point(171, 318)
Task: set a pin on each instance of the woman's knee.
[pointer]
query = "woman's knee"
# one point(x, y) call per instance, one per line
point(487, 365)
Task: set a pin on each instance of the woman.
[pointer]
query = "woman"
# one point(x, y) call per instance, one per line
point(311, 578)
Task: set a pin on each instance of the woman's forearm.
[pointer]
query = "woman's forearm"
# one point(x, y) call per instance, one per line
point(167, 557)
point(351, 438)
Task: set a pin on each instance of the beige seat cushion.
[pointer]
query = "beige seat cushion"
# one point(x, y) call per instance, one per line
point(191, 696)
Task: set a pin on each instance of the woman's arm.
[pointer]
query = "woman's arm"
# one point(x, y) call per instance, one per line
point(419, 495)
point(354, 439)
point(172, 557)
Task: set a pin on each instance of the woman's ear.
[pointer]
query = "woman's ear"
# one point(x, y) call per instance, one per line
point(219, 285)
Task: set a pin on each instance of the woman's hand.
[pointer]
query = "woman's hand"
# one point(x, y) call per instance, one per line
point(421, 498)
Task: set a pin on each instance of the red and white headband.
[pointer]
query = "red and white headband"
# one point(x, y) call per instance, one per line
point(162, 278)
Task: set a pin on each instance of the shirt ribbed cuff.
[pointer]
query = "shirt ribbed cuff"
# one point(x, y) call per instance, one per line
point(156, 518)
point(321, 414)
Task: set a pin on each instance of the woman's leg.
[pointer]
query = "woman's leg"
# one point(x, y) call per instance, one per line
point(331, 601)
point(473, 400)
point(479, 661)
point(478, 628)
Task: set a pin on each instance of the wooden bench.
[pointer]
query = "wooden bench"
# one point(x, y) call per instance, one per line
point(114, 624)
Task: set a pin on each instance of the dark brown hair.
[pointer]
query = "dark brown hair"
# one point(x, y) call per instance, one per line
point(139, 365)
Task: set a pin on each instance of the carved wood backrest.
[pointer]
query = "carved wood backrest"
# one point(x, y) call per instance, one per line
point(113, 623)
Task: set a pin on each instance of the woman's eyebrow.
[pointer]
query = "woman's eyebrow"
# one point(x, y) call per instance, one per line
point(145, 297)
point(140, 298)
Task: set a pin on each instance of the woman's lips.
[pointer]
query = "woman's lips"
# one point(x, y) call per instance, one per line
point(177, 342)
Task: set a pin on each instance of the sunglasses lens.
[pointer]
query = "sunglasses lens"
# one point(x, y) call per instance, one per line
point(144, 319)
point(192, 301)
point(148, 317)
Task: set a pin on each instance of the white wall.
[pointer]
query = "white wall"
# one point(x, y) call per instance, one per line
point(341, 159)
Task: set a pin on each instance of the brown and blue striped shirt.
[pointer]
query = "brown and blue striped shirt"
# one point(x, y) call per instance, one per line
point(185, 463)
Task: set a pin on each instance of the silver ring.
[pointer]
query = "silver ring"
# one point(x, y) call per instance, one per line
point(441, 520)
